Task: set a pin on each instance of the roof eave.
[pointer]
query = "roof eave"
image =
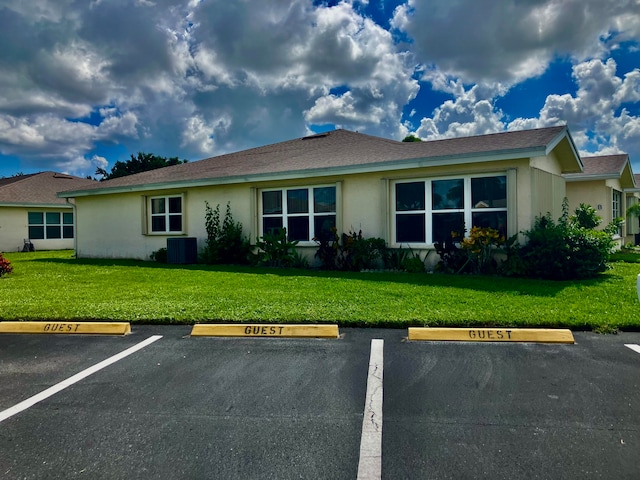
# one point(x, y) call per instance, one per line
point(317, 172)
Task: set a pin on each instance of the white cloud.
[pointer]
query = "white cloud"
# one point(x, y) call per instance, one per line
point(470, 113)
point(510, 41)
point(595, 115)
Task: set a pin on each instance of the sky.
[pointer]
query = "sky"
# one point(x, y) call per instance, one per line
point(85, 83)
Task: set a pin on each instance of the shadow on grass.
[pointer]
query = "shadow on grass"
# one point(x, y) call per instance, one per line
point(481, 283)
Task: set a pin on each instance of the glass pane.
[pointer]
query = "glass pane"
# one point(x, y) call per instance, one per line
point(271, 224)
point(67, 218)
point(67, 232)
point(447, 225)
point(157, 205)
point(324, 199)
point(175, 223)
point(36, 218)
point(53, 218)
point(175, 204)
point(36, 233)
point(496, 220)
point(298, 201)
point(489, 192)
point(447, 194)
point(272, 202)
point(409, 196)
point(158, 224)
point(298, 228)
point(410, 228)
point(54, 232)
point(322, 227)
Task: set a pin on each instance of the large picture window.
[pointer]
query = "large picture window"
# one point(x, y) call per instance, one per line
point(50, 225)
point(166, 214)
point(429, 211)
point(306, 212)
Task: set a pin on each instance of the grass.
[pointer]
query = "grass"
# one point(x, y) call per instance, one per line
point(56, 286)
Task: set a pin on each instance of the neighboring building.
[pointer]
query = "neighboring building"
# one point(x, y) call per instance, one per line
point(30, 210)
point(607, 184)
point(407, 193)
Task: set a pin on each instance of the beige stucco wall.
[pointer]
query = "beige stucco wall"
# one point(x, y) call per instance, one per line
point(111, 226)
point(14, 229)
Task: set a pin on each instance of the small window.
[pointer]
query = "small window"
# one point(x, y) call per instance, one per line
point(166, 214)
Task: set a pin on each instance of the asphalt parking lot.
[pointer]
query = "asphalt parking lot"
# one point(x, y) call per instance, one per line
point(185, 407)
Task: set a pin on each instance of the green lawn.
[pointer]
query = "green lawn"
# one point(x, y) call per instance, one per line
point(56, 286)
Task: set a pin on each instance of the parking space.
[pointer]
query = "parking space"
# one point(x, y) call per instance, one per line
point(503, 411)
point(200, 408)
point(186, 407)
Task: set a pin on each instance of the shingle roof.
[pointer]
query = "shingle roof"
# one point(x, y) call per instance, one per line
point(39, 188)
point(605, 164)
point(336, 151)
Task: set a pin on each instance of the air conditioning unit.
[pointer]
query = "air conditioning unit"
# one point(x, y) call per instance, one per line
point(182, 250)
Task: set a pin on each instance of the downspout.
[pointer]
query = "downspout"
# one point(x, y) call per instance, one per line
point(75, 225)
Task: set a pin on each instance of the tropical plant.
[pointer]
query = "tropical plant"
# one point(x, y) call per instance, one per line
point(275, 250)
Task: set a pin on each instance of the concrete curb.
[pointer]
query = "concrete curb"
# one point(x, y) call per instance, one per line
point(264, 330)
point(67, 328)
point(534, 335)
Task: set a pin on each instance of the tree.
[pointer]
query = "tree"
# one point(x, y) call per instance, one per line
point(411, 138)
point(141, 163)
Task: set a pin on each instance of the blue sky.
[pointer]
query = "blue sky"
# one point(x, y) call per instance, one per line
point(86, 83)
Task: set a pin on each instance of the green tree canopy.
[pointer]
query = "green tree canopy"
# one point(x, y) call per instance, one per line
point(141, 163)
point(411, 138)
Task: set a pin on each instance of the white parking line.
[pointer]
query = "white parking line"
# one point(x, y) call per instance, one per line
point(29, 402)
point(634, 347)
point(370, 464)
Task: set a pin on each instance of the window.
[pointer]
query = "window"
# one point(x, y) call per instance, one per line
point(50, 225)
point(428, 211)
point(166, 214)
point(617, 207)
point(306, 212)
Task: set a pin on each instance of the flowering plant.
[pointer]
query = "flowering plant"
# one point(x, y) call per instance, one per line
point(5, 266)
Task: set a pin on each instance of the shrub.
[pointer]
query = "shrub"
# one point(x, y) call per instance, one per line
point(225, 241)
point(328, 250)
point(275, 250)
point(5, 266)
point(351, 251)
point(159, 255)
point(476, 253)
point(452, 258)
point(358, 253)
point(566, 250)
point(480, 248)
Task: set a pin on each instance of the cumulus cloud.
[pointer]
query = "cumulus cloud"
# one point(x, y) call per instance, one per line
point(596, 114)
point(192, 78)
point(510, 41)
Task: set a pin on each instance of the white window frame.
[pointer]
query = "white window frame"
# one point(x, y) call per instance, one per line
point(616, 207)
point(311, 214)
point(166, 215)
point(468, 210)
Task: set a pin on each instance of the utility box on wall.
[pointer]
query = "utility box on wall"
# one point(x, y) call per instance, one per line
point(182, 250)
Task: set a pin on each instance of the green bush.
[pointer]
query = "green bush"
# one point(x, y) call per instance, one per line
point(225, 242)
point(159, 255)
point(275, 250)
point(351, 252)
point(5, 266)
point(359, 253)
point(566, 250)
